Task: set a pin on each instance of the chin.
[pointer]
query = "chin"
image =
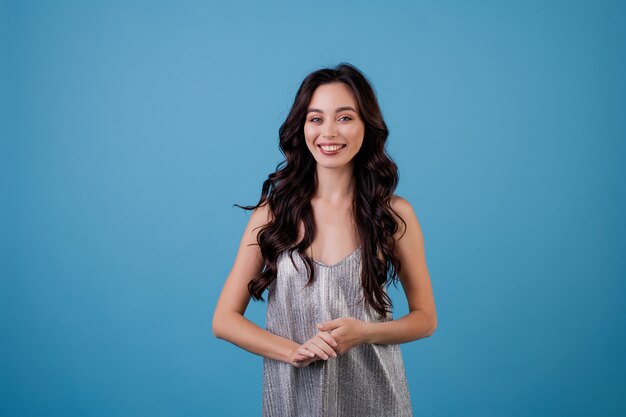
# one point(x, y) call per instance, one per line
point(334, 164)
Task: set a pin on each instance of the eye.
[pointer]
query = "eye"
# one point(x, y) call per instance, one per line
point(348, 117)
point(313, 118)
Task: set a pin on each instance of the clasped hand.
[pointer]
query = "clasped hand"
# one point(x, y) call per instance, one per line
point(334, 338)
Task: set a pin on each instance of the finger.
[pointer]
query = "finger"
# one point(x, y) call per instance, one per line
point(329, 341)
point(305, 352)
point(322, 344)
point(299, 364)
point(328, 338)
point(300, 358)
point(305, 360)
point(313, 347)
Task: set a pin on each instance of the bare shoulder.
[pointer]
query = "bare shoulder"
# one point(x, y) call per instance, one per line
point(403, 208)
point(401, 204)
point(260, 217)
point(247, 264)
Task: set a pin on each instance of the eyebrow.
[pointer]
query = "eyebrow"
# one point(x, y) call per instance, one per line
point(337, 110)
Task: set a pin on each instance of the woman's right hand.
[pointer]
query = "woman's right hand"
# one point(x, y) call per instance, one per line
point(318, 347)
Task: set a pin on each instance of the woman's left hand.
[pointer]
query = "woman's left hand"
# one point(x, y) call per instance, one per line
point(347, 331)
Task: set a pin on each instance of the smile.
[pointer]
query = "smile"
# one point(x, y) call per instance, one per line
point(331, 150)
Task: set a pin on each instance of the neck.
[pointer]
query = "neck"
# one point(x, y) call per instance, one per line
point(334, 184)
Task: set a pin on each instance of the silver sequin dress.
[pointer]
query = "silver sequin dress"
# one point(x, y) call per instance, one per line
point(367, 381)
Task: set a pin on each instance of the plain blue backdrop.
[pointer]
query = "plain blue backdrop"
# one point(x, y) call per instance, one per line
point(131, 128)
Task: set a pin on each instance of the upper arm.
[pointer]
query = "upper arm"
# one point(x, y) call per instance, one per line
point(248, 263)
point(411, 252)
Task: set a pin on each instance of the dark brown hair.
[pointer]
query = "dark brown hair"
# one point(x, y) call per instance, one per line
point(289, 190)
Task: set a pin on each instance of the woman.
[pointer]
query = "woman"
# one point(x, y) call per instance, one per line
point(323, 239)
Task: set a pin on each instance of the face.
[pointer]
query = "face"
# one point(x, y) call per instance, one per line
point(333, 122)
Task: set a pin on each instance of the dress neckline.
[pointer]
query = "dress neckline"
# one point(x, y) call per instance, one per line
point(344, 259)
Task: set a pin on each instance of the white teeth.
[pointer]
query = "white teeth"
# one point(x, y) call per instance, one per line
point(331, 148)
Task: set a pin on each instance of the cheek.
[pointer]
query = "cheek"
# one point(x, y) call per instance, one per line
point(354, 131)
point(356, 135)
point(310, 133)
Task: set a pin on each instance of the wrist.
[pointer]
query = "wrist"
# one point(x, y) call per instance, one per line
point(368, 337)
point(288, 351)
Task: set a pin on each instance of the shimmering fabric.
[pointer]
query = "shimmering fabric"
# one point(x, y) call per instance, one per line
point(367, 381)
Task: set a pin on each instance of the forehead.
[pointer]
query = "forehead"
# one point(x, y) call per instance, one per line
point(332, 95)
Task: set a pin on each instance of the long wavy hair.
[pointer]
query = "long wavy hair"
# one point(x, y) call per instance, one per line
point(289, 191)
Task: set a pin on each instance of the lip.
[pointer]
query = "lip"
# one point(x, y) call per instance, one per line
point(338, 151)
point(329, 144)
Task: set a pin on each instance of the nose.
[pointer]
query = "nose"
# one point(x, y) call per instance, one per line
point(330, 131)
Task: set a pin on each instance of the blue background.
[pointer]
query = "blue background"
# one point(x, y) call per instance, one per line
point(130, 128)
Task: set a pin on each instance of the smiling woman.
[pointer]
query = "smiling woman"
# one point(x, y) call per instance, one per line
point(344, 122)
point(331, 345)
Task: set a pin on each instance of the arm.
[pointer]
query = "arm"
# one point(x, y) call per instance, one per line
point(235, 328)
point(421, 321)
point(229, 322)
